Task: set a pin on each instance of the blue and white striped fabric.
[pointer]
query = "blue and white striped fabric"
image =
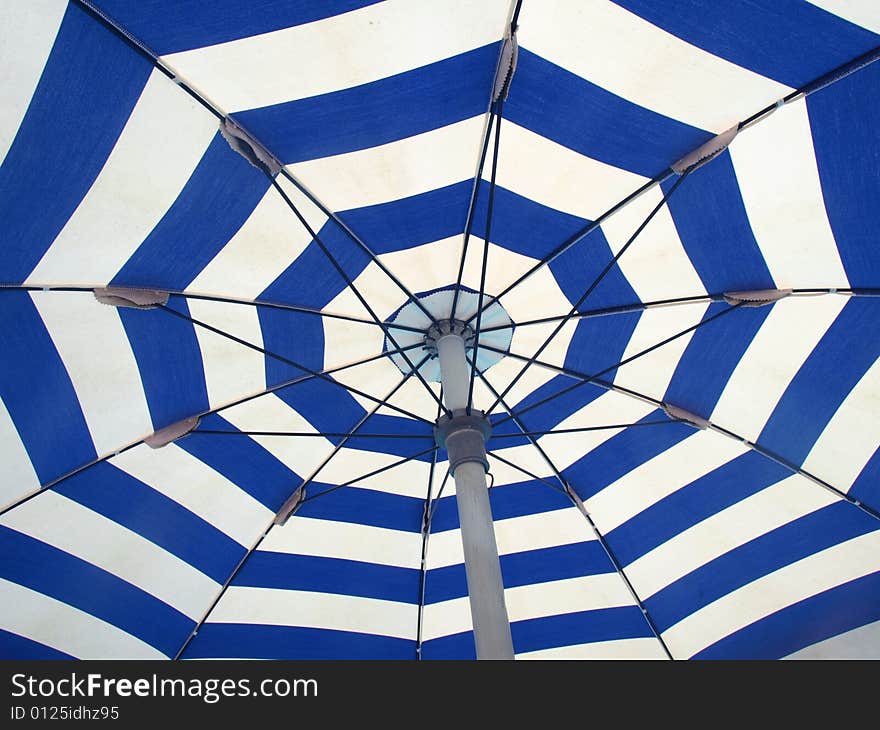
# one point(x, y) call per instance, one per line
point(757, 536)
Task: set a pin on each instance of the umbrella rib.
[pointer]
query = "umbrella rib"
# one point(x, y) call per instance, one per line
point(142, 49)
point(225, 300)
point(314, 434)
point(528, 473)
point(111, 454)
point(436, 501)
point(373, 473)
point(838, 74)
point(367, 416)
point(315, 373)
point(423, 564)
point(583, 379)
point(583, 429)
point(350, 284)
point(58, 480)
point(590, 289)
point(489, 208)
point(783, 462)
point(472, 208)
point(268, 529)
point(678, 301)
point(357, 239)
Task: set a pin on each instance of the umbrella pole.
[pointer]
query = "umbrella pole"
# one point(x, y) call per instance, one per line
point(464, 437)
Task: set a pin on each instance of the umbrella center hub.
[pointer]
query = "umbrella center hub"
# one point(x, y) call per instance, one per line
point(424, 321)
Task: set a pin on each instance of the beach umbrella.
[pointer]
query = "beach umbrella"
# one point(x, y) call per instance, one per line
point(446, 329)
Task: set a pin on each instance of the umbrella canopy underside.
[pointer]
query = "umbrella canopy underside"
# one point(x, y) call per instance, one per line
point(677, 473)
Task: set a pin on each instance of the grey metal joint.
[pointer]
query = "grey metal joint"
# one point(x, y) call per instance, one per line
point(464, 437)
point(448, 327)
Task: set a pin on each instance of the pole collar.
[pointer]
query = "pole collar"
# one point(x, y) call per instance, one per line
point(464, 437)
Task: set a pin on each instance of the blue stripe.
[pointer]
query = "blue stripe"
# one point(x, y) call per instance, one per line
point(725, 486)
point(510, 500)
point(378, 112)
point(599, 343)
point(525, 568)
point(790, 41)
point(711, 221)
point(365, 507)
point(577, 269)
point(247, 641)
point(37, 391)
point(410, 221)
point(19, 648)
point(838, 362)
point(783, 546)
point(169, 361)
point(577, 114)
point(522, 225)
point(111, 492)
point(867, 484)
point(243, 462)
point(217, 199)
point(455, 646)
point(55, 573)
point(711, 356)
point(311, 279)
point(170, 26)
point(583, 627)
point(845, 142)
point(548, 416)
point(621, 453)
point(88, 89)
point(827, 614)
point(330, 575)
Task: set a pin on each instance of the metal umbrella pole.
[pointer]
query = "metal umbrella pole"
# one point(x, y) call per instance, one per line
point(464, 436)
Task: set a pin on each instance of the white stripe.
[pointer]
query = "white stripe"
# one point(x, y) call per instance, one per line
point(650, 374)
point(97, 355)
point(643, 648)
point(594, 38)
point(346, 541)
point(194, 485)
point(65, 628)
point(265, 245)
point(270, 413)
point(548, 173)
point(851, 436)
point(656, 264)
point(77, 530)
point(231, 369)
point(777, 505)
point(526, 342)
point(514, 535)
point(278, 607)
point(395, 170)
point(586, 593)
point(19, 477)
point(27, 32)
point(819, 572)
point(409, 479)
point(339, 52)
point(860, 12)
point(789, 334)
point(163, 141)
point(776, 169)
point(661, 476)
point(609, 408)
point(446, 618)
point(860, 643)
